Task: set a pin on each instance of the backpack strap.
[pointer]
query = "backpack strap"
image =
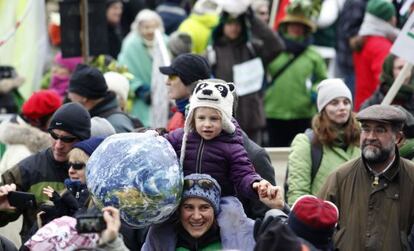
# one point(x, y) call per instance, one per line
point(284, 67)
point(316, 153)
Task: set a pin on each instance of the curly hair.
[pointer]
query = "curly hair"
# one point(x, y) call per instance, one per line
point(326, 131)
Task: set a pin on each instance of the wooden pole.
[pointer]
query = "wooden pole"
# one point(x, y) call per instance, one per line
point(273, 13)
point(84, 32)
point(398, 82)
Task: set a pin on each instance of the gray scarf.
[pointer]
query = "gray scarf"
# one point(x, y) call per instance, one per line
point(374, 26)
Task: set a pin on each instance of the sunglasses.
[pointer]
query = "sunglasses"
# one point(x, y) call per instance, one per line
point(76, 166)
point(203, 183)
point(172, 77)
point(66, 139)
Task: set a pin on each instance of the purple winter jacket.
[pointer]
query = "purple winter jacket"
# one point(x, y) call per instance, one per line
point(224, 158)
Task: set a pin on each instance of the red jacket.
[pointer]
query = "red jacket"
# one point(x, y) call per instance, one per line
point(368, 65)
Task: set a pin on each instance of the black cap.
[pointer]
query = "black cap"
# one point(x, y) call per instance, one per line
point(88, 82)
point(189, 67)
point(72, 118)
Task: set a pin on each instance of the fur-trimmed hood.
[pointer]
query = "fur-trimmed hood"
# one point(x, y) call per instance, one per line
point(22, 133)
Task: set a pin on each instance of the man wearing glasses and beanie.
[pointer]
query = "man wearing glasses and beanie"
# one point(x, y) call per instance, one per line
point(69, 124)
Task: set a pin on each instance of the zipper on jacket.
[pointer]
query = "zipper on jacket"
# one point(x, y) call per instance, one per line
point(199, 156)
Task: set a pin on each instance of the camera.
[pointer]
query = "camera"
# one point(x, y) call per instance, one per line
point(91, 221)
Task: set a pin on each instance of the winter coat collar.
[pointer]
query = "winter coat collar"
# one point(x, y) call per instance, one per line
point(293, 46)
point(108, 103)
point(18, 132)
point(391, 172)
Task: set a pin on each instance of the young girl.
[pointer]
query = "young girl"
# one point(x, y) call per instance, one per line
point(211, 142)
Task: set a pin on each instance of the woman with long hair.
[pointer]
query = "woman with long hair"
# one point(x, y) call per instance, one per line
point(335, 132)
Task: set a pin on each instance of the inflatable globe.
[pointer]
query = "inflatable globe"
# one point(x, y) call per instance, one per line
point(139, 174)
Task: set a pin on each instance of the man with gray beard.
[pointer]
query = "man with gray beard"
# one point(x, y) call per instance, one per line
point(374, 193)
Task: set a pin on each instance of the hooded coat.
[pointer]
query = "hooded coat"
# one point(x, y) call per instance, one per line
point(22, 140)
point(255, 40)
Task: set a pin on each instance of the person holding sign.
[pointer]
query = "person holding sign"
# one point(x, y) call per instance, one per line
point(237, 57)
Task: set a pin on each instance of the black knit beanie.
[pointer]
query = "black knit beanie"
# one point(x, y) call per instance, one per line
point(72, 118)
point(88, 82)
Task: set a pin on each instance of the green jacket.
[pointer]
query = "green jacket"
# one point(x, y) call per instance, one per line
point(32, 175)
point(300, 162)
point(290, 95)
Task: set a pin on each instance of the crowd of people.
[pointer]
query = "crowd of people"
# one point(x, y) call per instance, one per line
point(235, 86)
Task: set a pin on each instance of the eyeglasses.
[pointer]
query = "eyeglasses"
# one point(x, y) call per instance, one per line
point(376, 130)
point(76, 166)
point(66, 139)
point(203, 183)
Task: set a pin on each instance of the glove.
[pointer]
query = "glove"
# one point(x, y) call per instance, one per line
point(144, 93)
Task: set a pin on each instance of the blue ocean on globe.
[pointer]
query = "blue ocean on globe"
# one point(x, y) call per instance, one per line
point(138, 173)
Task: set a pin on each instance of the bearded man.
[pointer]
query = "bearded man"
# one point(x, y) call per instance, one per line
point(374, 193)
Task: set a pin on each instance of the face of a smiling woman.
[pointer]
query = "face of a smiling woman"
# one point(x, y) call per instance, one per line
point(197, 216)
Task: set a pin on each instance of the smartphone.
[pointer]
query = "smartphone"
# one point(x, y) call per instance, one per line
point(21, 200)
point(90, 223)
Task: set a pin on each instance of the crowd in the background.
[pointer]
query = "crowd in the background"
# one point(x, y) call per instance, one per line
point(236, 83)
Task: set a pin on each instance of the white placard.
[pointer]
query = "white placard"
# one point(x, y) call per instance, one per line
point(404, 44)
point(248, 76)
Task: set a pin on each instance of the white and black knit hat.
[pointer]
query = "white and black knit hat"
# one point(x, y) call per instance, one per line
point(212, 93)
point(330, 89)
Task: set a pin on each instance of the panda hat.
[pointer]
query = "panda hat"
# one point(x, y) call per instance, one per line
point(212, 93)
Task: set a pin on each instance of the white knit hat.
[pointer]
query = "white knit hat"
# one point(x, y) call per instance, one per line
point(330, 89)
point(213, 93)
point(117, 83)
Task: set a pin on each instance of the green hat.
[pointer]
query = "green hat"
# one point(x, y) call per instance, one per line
point(302, 11)
point(383, 9)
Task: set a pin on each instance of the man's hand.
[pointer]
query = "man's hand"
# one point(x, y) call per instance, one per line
point(4, 202)
point(113, 224)
point(274, 198)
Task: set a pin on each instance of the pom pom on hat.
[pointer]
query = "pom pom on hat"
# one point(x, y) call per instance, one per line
point(117, 83)
point(314, 220)
point(40, 104)
point(330, 89)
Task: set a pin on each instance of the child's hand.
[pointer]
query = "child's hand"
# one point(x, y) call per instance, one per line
point(262, 187)
point(48, 191)
point(274, 198)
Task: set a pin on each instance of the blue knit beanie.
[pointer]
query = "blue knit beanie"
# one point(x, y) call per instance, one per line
point(89, 145)
point(202, 186)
